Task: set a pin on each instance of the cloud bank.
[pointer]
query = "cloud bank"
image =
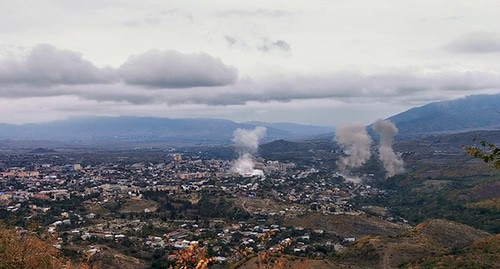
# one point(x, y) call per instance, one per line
point(47, 65)
point(174, 78)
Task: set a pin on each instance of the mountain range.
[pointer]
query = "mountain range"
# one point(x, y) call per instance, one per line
point(137, 130)
point(465, 114)
point(470, 113)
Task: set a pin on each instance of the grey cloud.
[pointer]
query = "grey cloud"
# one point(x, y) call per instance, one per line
point(274, 45)
point(455, 17)
point(140, 23)
point(158, 76)
point(353, 87)
point(172, 69)
point(101, 93)
point(231, 40)
point(253, 13)
point(264, 45)
point(177, 13)
point(131, 98)
point(234, 41)
point(25, 91)
point(344, 86)
point(476, 43)
point(117, 92)
point(47, 65)
point(152, 21)
point(132, 23)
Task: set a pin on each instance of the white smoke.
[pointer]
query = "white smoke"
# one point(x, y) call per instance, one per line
point(247, 144)
point(247, 141)
point(393, 163)
point(355, 142)
point(244, 166)
point(353, 179)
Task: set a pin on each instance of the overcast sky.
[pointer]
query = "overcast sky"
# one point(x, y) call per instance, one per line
point(315, 62)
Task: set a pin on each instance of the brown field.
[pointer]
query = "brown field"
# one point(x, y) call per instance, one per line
point(266, 205)
point(138, 206)
point(347, 225)
point(290, 262)
point(489, 203)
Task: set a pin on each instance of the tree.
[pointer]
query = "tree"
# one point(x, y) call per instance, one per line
point(487, 152)
point(23, 249)
point(193, 257)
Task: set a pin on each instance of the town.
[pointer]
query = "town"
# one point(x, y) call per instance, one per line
point(151, 209)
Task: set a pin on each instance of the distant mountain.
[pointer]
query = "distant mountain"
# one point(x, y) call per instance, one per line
point(298, 129)
point(126, 130)
point(42, 151)
point(473, 112)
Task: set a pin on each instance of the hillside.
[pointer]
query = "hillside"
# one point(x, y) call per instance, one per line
point(306, 151)
point(25, 249)
point(472, 112)
point(429, 240)
point(484, 253)
point(348, 225)
point(432, 244)
point(441, 181)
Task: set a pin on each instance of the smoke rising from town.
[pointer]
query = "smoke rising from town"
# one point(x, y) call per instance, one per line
point(247, 141)
point(355, 143)
point(247, 144)
point(393, 164)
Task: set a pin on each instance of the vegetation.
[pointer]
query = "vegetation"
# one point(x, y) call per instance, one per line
point(193, 257)
point(484, 253)
point(219, 207)
point(22, 249)
point(415, 200)
point(487, 152)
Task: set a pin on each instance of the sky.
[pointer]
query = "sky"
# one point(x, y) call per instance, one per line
point(314, 62)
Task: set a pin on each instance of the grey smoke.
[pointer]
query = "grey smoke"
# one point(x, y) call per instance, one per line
point(355, 142)
point(392, 162)
point(247, 144)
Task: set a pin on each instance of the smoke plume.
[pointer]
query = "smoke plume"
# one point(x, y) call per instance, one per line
point(392, 162)
point(247, 143)
point(355, 142)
